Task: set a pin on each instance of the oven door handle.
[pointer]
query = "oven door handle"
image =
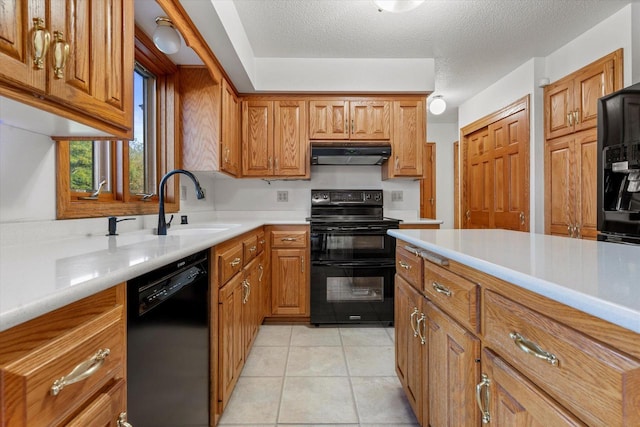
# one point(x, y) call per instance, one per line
point(382, 263)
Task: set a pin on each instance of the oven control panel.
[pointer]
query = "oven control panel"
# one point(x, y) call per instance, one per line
point(331, 197)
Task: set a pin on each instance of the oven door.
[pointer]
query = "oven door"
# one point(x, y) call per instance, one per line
point(351, 243)
point(352, 292)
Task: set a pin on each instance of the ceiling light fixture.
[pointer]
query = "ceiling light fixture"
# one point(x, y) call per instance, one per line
point(397, 6)
point(166, 37)
point(438, 105)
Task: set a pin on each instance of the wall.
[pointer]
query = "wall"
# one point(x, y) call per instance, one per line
point(613, 33)
point(444, 135)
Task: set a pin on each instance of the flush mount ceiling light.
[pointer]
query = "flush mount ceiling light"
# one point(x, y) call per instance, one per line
point(166, 37)
point(397, 6)
point(438, 105)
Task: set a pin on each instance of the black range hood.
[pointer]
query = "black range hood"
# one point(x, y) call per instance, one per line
point(349, 154)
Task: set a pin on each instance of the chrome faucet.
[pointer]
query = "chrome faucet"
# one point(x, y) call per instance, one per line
point(162, 222)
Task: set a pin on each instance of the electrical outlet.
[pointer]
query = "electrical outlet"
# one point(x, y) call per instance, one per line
point(396, 196)
point(282, 196)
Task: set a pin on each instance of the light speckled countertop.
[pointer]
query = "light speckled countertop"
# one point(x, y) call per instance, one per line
point(598, 278)
point(37, 277)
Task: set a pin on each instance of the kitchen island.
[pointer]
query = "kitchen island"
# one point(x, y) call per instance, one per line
point(510, 327)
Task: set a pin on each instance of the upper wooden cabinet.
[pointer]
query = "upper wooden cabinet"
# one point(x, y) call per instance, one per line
point(343, 119)
point(409, 135)
point(77, 57)
point(274, 140)
point(570, 104)
point(230, 131)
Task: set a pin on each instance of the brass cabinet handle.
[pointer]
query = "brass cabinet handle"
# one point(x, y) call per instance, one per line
point(346, 126)
point(421, 319)
point(352, 126)
point(289, 239)
point(41, 39)
point(262, 242)
point(570, 230)
point(253, 248)
point(397, 162)
point(122, 420)
point(269, 163)
point(414, 313)
point(277, 164)
point(60, 54)
point(576, 116)
point(468, 215)
point(226, 155)
point(302, 264)
point(483, 399)
point(533, 349)
point(570, 118)
point(246, 290)
point(578, 231)
point(404, 265)
point(81, 371)
point(235, 262)
point(261, 272)
point(522, 218)
point(441, 289)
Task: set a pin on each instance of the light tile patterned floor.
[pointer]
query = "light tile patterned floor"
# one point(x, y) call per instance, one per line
point(303, 376)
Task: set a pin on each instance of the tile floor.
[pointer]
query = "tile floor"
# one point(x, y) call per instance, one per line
point(305, 376)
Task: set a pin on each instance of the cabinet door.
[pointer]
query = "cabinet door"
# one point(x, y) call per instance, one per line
point(558, 109)
point(230, 132)
point(594, 82)
point(514, 401)
point(510, 167)
point(409, 346)
point(290, 141)
point(250, 304)
point(230, 342)
point(17, 47)
point(585, 187)
point(97, 75)
point(454, 371)
point(559, 199)
point(479, 183)
point(328, 120)
point(289, 282)
point(370, 120)
point(408, 138)
point(257, 138)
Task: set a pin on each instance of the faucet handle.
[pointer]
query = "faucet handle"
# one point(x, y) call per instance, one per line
point(170, 220)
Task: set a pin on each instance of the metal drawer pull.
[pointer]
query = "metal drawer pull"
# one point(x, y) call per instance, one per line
point(532, 348)
point(422, 319)
point(235, 262)
point(441, 289)
point(122, 420)
point(436, 259)
point(262, 242)
point(261, 273)
point(404, 265)
point(413, 250)
point(289, 239)
point(253, 248)
point(483, 399)
point(414, 313)
point(41, 38)
point(60, 54)
point(81, 372)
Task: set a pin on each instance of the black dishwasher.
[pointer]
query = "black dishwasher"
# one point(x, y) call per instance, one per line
point(168, 345)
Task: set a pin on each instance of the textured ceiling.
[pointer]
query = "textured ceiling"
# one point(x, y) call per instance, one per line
point(473, 42)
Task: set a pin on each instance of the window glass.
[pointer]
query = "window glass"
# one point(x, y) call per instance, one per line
point(90, 169)
point(142, 149)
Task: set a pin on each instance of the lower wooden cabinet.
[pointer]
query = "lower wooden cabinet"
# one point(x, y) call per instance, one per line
point(411, 344)
point(290, 279)
point(66, 365)
point(454, 371)
point(511, 400)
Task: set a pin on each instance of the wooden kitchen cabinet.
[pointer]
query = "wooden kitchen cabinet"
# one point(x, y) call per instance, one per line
point(408, 136)
point(571, 103)
point(230, 338)
point(230, 131)
point(571, 185)
point(38, 354)
point(410, 347)
point(349, 119)
point(86, 72)
point(290, 279)
point(510, 400)
point(274, 139)
point(570, 160)
point(454, 371)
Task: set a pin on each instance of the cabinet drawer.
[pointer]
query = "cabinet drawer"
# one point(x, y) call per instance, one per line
point(29, 381)
point(288, 239)
point(598, 384)
point(249, 248)
point(106, 409)
point(229, 263)
point(409, 265)
point(453, 294)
